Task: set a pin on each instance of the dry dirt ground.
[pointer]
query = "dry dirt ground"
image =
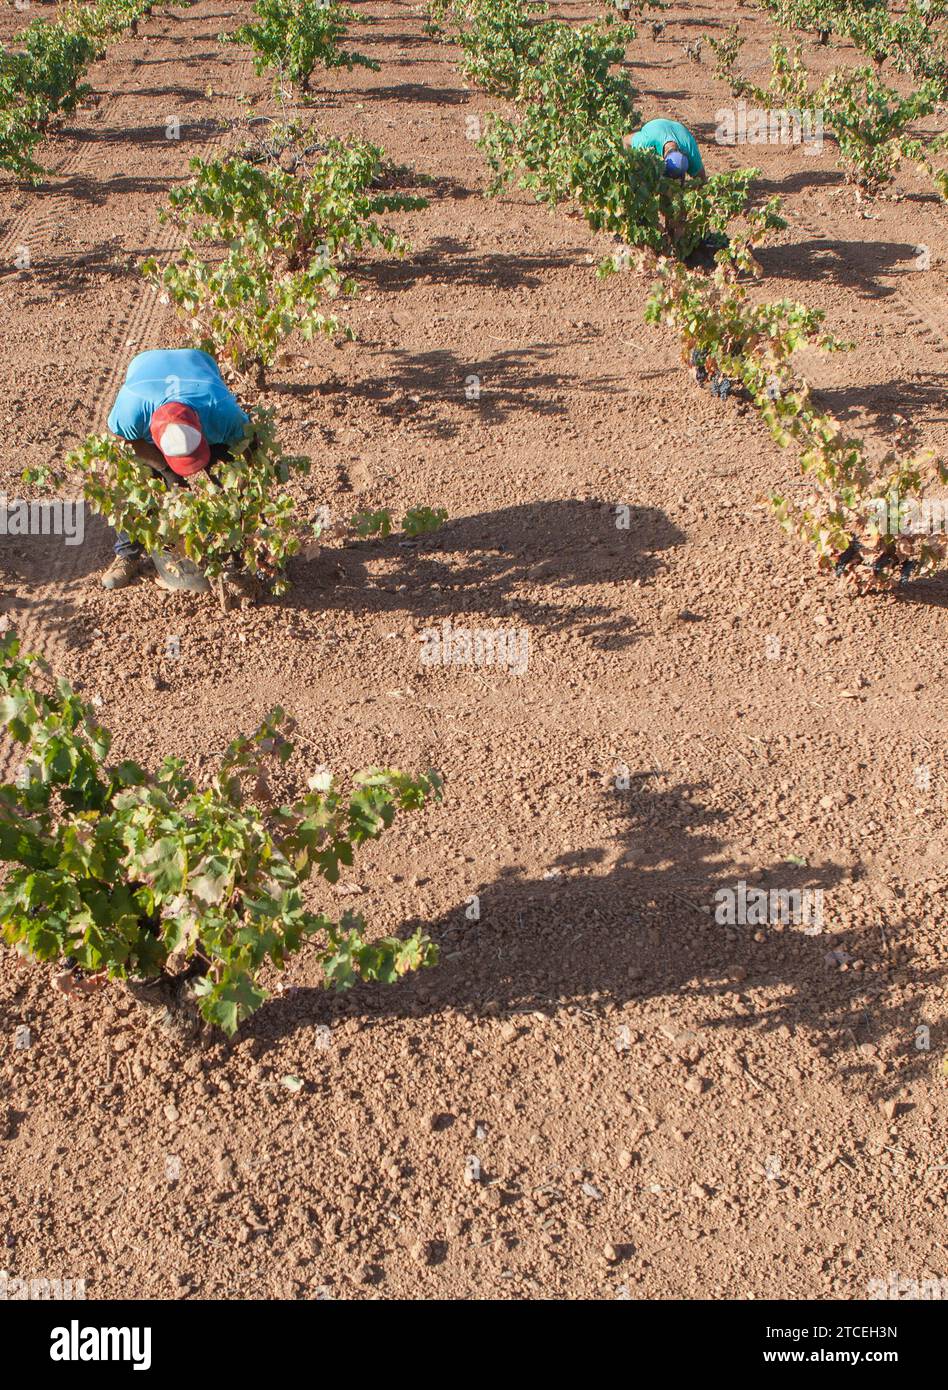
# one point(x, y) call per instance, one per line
point(661, 1107)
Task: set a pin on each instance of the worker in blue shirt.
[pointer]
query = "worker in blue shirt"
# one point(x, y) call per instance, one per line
point(178, 416)
point(674, 145)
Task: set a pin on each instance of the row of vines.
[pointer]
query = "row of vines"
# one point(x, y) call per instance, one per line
point(574, 101)
point(144, 875)
point(42, 73)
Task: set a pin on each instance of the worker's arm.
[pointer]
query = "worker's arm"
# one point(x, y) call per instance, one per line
point(700, 178)
point(149, 453)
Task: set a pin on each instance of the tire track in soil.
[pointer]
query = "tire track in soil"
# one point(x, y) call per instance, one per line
point(66, 561)
point(30, 230)
point(928, 318)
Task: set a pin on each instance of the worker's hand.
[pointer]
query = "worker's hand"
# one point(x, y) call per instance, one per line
point(627, 141)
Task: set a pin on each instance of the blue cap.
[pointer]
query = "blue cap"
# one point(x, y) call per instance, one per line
point(676, 164)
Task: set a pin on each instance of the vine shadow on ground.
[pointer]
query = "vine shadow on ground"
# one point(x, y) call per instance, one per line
point(633, 920)
point(518, 564)
point(509, 383)
point(852, 265)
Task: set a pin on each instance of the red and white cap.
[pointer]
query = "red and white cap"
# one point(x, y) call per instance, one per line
point(176, 430)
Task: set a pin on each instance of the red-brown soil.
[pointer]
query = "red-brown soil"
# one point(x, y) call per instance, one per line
point(768, 1125)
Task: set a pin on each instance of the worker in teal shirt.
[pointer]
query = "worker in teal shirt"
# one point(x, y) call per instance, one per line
point(178, 416)
point(674, 145)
